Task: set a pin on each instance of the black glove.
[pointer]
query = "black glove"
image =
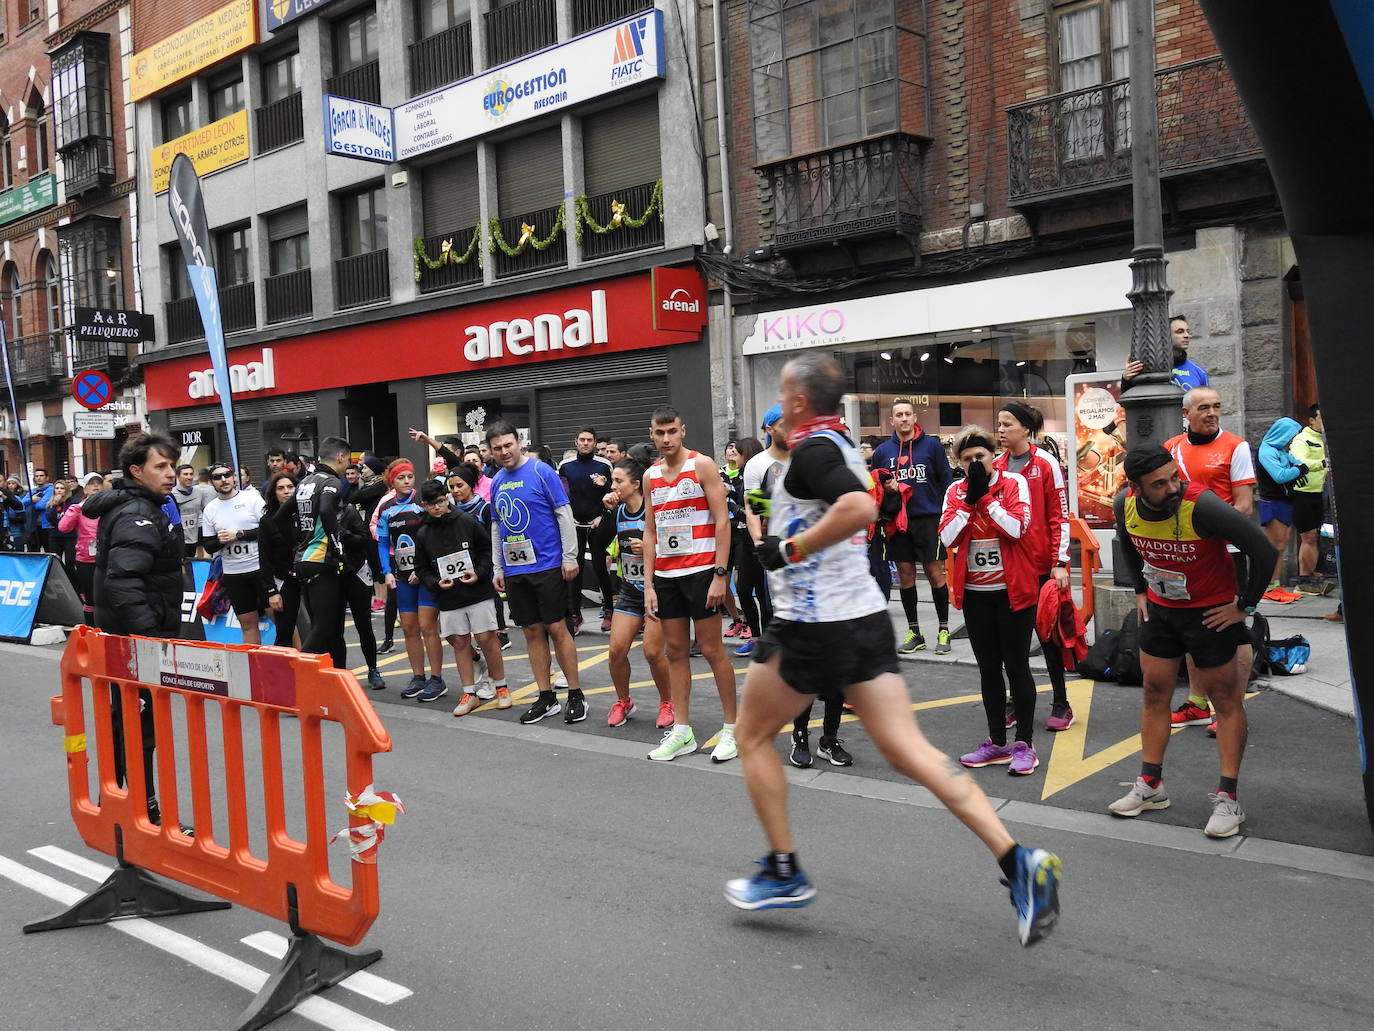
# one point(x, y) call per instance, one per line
point(977, 482)
point(769, 552)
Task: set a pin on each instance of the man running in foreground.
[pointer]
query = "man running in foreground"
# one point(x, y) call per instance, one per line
point(821, 570)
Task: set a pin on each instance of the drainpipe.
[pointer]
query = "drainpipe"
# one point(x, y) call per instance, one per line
point(727, 213)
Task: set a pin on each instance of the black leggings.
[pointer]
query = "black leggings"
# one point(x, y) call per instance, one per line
point(324, 599)
point(751, 586)
point(1054, 662)
point(585, 537)
point(285, 620)
point(1000, 637)
point(359, 597)
point(830, 719)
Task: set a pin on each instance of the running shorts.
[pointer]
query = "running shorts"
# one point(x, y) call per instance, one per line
point(630, 600)
point(1271, 510)
point(477, 618)
point(1307, 511)
point(826, 658)
point(244, 591)
point(684, 597)
point(536, 598)
point(409, 597)
point(919, 542)
point(1171, 633)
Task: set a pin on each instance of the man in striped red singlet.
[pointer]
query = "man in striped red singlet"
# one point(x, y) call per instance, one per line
point(686, 548)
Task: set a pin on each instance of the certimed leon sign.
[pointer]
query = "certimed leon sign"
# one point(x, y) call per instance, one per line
point(590, 66)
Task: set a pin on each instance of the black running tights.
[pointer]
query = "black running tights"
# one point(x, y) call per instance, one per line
point(1000, 637)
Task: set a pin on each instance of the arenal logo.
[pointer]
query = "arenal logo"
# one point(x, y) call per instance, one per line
point(627, 59)
point(671, 302)
point(259, 375)
point(17, 592)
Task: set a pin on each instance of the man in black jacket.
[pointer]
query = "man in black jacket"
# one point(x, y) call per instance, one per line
point(138, 586)
point(453, 561)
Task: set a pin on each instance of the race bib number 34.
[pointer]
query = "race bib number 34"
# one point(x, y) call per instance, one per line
point(518, 553)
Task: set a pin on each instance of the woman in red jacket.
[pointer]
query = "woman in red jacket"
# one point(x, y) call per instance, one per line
point(1048, 536)
point(993, 580)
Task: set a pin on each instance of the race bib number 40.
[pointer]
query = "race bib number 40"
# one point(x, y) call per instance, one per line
point(518, 553)
point(452, 567)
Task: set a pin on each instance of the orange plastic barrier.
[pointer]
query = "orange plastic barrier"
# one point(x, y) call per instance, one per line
point(238, 682)
point(1088, 563)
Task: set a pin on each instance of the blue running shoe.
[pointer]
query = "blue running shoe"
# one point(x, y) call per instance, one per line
point(764, 891)
point(1035, 893)
point(747, 648)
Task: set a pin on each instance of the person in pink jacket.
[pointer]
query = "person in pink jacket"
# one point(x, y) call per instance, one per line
point(75, 519)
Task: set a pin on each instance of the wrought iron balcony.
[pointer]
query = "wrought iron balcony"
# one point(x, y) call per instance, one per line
point(37, 359)
point(183, 320)
point(109, 356)
point(531, 260)
point(451, 274)
point(592, 14)
point(623, 239)
point(361, 279)
point(1079, 142)
point(520, 28)
point(866, 189)
point(88, 165)
point(361, 83)
point(441, 58)
point(289, 296)
point(280, 123)
point(237, 314)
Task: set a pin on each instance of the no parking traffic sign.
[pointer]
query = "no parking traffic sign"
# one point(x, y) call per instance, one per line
point(92, 389)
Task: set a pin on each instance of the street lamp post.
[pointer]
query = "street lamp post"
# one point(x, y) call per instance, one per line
point(1152, 400)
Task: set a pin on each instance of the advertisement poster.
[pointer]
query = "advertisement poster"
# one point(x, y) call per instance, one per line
point(1099, 439)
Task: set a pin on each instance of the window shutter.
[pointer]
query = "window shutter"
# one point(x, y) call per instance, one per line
point(529, 172)
point(449, 194)
point(282, 225)
point(620, 147)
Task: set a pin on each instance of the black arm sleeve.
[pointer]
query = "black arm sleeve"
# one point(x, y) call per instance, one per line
point(1215, 518)
point(1135, 565)
point(211, 544)
point(818, 470)
point(330, 503)
point(451, 458)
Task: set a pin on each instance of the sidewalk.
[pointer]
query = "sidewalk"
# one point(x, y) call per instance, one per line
point(1326, 684)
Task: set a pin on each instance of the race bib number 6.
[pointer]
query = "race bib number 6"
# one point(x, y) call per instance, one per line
point(674, 532)
point(452, 567)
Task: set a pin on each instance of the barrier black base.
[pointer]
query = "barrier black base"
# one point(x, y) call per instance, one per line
point(310, 965)
point(128, 891)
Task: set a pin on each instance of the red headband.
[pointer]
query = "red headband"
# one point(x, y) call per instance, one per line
point(396, 470)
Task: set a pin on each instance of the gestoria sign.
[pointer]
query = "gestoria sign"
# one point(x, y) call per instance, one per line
point(604, 317)
point(232, 28)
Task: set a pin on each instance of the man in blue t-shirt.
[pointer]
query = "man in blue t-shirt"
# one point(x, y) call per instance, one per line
point(534, 555)
point(1187, 373)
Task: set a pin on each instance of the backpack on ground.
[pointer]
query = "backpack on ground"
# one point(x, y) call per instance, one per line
point(1100, 662)
point(1128, 654)
point(1259, 646)
point(1288, 657)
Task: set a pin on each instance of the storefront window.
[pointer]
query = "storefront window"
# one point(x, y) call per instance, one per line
point(468, 418)
point(958, 378)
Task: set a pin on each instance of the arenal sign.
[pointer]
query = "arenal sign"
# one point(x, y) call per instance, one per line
point(589, 66)
point(603, 317)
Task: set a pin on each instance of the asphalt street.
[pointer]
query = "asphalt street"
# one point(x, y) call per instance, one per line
point(550, 877)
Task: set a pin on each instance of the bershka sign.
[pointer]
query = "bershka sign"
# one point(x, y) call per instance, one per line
point(603, 317)
point(679, 299)
point(243, 379)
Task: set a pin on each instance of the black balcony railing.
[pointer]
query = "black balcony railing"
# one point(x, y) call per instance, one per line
point(36, 359)
point(88, 164)
point(237, 314)
point(451, 274)
point(289, 296)
point(623, 239)
point(520, 28)
point(865, 189)
point(361, 83)
point(361, 279)
point(109, 356)
point(592, 14)
point(280, 123)
point(440, 59)
point(531, 260)
point(238, 307)
point(1080, 141)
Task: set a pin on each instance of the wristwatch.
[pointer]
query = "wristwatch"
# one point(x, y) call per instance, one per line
point(1249, 610)
point(722, 571)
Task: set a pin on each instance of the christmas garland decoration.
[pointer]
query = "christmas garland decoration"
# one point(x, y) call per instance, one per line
point(618, 215)
point(447, 255)
point(584, 220)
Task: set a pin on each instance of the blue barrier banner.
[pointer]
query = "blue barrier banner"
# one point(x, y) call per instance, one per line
point(223, 629)
point(22, 578)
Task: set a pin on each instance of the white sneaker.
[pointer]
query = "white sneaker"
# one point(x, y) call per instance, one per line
point(1140, 798)
point(725, 749)
point(1227, 816)
point(560, 680)
point(674, 743)
point(485, 690)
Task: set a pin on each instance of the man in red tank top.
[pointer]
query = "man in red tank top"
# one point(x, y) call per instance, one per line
point(686, 548)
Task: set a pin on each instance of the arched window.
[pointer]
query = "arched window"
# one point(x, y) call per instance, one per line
point(52, 294)
point(40, 136)
point(6, 155)
point(14, 315)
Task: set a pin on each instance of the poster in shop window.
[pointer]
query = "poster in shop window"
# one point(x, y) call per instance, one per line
point(1099, 439)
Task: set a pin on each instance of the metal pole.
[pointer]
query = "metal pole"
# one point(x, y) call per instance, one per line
point(1152, 400)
